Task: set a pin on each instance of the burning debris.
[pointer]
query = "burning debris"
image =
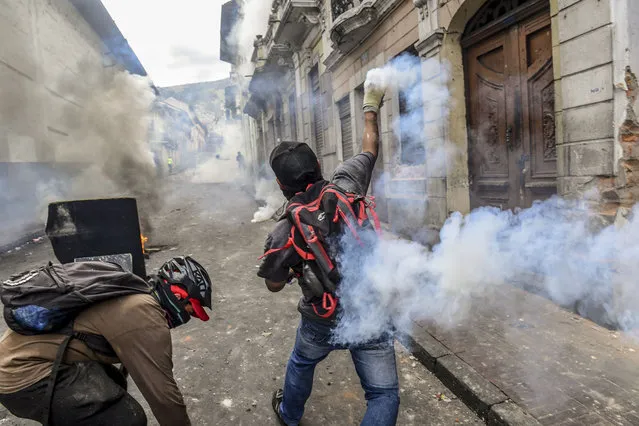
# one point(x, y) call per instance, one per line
point(107, 227)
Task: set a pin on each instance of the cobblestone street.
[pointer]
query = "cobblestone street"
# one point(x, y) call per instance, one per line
point(227, 368)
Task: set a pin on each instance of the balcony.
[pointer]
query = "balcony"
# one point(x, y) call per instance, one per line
point(354, 20)
point(292, 20)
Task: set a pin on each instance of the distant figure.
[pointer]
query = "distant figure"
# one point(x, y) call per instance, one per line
point(240, 160)
point(169, 162)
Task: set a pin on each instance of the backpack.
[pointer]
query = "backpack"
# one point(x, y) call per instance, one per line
point(319, 217)
point(47, 300)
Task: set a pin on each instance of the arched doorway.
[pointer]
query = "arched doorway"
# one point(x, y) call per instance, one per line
point(510, 95)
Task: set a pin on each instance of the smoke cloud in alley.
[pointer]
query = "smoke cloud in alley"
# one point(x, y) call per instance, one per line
point(268, 192)
point(94, 143)
point(114, 139)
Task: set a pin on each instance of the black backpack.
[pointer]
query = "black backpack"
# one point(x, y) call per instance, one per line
point(319, 217)
point(47, 300)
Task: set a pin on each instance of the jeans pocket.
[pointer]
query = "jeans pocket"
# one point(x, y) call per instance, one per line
point(314, 334)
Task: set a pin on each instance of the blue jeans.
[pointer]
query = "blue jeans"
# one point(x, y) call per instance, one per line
point(374, 362)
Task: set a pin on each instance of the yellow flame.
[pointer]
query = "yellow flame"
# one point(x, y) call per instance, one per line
point(144, 240)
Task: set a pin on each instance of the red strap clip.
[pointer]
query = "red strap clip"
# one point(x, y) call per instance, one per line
point(329, 303)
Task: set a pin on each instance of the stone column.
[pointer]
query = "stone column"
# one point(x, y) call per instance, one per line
point(440, 29)
point(434, 76)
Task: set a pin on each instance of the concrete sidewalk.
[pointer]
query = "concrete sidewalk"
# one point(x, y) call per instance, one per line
point(519, 359)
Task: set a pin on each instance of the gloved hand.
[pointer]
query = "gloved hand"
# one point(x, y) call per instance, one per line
point(373, 98)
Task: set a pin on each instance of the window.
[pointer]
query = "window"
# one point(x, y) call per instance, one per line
point(316, 106)
point(411, 122)
point(346, 126)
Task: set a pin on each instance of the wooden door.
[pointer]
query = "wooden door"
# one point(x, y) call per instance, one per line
point(539, 179)
point(512, 156)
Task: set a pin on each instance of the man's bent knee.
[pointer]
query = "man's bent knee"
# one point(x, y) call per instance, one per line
point(388, 396)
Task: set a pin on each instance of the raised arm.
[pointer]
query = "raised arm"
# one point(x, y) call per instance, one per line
point(373, 97)
point(370, 142)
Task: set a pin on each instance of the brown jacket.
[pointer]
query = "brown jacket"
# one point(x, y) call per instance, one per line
point(137, 330)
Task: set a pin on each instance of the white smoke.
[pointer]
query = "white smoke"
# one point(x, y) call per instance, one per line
point(554, 248)
point(111, 139)
point(402, 73)
point(423, 98)
point(97, 143)
point(550, 247)
point(253, 21)
point(267, 190)
point(224, 167)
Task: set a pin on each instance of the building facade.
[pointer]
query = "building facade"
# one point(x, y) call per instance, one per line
point(540, 98)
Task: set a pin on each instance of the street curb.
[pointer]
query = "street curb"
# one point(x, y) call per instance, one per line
point(477, 392)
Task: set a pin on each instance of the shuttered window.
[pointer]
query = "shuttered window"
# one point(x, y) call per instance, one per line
point(318, 123)
point(346, 124)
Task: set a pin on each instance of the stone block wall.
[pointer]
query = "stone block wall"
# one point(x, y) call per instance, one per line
point(584, 83)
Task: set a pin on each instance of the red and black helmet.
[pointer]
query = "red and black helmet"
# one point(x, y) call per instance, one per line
point(190, 281)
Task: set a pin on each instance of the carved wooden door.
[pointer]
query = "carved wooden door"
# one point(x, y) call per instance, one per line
point(539, 179)
point(512, 157)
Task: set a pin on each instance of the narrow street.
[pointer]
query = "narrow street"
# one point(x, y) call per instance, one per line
point(227, 368)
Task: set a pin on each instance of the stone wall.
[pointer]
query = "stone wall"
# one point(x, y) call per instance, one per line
point(583, 66)
point(592, 43)
point(589, 109)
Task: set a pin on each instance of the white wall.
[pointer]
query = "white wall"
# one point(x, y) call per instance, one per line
point(41, 46)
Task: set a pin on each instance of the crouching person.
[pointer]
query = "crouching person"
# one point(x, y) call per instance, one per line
point(56, 361)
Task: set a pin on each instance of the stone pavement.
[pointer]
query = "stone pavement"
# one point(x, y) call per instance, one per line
point(520, 359)
point(227, 368)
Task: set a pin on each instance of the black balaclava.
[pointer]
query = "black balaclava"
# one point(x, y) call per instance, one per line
point(295, 166)
point(174, 310)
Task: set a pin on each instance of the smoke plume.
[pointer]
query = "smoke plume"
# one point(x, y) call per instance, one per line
point(111, 138)
point(224, 167)
point(551, 248)
point(556, 248)
point(253, 21)
point(94, 143)
point(266, 190)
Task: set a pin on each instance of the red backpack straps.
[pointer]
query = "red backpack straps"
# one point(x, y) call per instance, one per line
point(290, 243)
point(318, 252)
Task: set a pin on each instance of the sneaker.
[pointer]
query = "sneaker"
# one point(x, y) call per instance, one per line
point(278, 396)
